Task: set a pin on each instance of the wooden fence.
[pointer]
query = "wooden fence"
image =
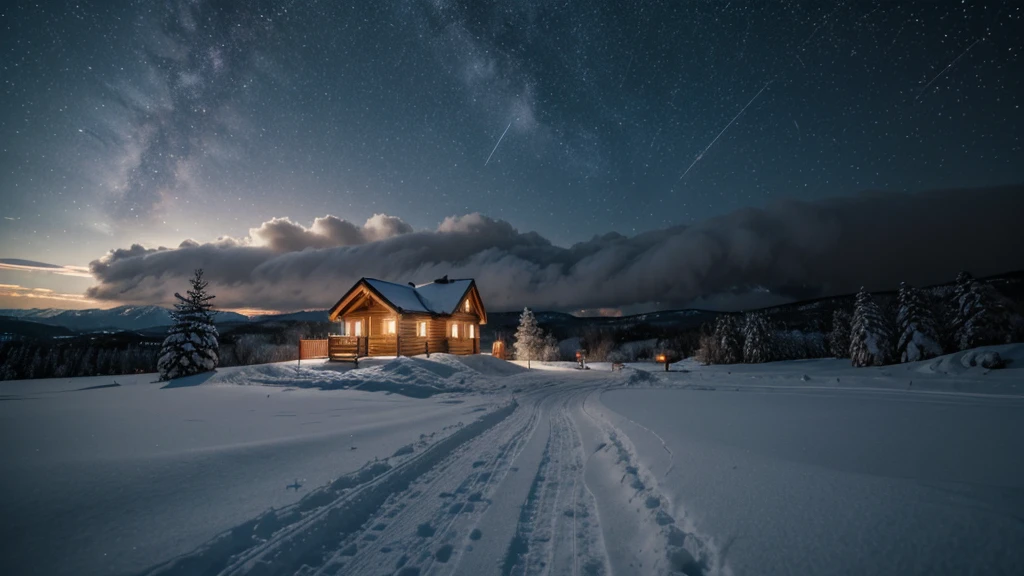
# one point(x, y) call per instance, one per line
point(347, 346)
point(312, 349)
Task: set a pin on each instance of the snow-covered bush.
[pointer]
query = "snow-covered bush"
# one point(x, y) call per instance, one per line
point(191, 345)
point(870, 342)
point(549, 351)
point(919, 339)
point(707, 350)
point(984, 358)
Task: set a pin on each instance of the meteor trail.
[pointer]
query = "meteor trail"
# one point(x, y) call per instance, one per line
point(499, 142)
point(701, 155)
point(946, 69)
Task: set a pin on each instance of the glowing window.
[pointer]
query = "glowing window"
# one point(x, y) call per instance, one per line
point(391, 326)
point(423, 330)
point(348, 329)
point(455, 330)
point(358, 326)
point(472, 331)
point(467, 305)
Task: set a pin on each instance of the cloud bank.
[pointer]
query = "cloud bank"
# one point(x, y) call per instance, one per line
point(17, 264)
point(789, 250)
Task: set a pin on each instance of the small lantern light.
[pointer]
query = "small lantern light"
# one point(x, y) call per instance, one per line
point(662, 359)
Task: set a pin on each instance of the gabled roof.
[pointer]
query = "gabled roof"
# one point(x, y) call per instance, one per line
point(443, 298)
point(403, 298)
point(437, 298)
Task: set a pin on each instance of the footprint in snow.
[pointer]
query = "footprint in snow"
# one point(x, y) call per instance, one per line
point(444, 553)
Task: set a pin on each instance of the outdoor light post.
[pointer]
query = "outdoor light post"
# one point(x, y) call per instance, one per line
point(662, 358)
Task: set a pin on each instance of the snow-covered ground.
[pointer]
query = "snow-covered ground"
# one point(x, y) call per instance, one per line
point(476, 466)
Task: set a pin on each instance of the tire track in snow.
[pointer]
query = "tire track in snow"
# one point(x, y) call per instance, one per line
point(556, 530)
point(405, 531)
point(306, 533)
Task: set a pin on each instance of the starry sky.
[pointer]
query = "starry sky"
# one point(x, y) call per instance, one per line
point(257, 127)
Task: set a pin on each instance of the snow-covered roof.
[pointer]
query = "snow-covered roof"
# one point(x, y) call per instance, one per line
point(402, 297)
point(431, 298)
point(443, 298)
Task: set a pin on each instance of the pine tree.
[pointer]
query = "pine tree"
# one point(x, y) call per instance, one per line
point(730, 348)
point(35, 368)
point(870, 343)
point(981, 318)
point(757, 341)
point(839, 338)
point(191, 345)
point(529, 338)
point(919, 338)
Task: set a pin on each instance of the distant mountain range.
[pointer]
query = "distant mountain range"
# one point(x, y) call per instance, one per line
point(138, 317)
point(807, 313)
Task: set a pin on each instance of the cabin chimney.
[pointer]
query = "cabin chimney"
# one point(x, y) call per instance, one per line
point(411, 284)
point(442, 280)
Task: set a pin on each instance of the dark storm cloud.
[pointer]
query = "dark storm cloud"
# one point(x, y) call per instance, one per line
point(790, 249)
point(178, 116)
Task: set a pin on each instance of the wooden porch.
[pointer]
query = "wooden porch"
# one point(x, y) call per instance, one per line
point(351, 348)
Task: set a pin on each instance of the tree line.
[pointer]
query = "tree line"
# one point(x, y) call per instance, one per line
point(920, 326)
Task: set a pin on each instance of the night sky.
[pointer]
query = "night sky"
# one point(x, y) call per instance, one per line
point(662, 128)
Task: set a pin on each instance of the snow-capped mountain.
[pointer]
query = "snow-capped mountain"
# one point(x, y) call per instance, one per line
point(119, 318)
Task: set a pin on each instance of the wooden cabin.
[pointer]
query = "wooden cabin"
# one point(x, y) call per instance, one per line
point(378, 318)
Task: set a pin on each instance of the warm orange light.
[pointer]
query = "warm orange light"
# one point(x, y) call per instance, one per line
point(660, 358)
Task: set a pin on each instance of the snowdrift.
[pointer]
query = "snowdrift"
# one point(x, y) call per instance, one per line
point(417, 377)
point(966, 372)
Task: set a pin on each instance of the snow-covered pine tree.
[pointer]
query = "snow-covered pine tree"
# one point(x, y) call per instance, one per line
point(730, 348)
point(869, 340)
point(757, 339)
point(981, 318)
point(919, 338)
point(839, 338)
point(529, 338)
point(191, 345)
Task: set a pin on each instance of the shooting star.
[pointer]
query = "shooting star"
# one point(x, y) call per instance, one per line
point(626, 75)
point(701, 155)
point(946, 69)
point(498, 143)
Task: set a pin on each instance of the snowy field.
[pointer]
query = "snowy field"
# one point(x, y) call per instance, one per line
point(477, 466)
